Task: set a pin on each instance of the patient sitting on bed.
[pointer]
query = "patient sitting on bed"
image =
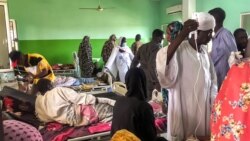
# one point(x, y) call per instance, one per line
point(66, 106)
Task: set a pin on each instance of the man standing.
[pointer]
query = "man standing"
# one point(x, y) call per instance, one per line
point(185, 69)
point(241, 39)
point(223, 43)
point(123, 59)
point(137, 44)
point(146, 57)
point(34, 64)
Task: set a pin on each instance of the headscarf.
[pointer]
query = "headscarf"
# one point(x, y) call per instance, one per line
point(135, 80)
point(107, 48)
point(85, 41)
point(121, 42)
point(85, 57)
point(124, 135)
point(206, 21)
point(174, 28)
point(111, 37)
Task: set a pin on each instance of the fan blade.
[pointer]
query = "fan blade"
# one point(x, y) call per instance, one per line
point(109, 8)
point(88, 8)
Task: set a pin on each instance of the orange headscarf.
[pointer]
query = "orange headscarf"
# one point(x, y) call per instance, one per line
point(124, 135)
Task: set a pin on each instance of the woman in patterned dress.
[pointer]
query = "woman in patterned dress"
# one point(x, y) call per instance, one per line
point(85, 58)
point(231, 110)
point(107, 48)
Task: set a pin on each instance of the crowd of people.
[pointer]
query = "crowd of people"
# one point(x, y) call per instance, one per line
point(197, 83)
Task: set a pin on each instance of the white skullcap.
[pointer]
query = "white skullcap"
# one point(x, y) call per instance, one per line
point(205, 20)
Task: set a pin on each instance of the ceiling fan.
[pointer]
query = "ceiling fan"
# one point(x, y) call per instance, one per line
point(98, 8)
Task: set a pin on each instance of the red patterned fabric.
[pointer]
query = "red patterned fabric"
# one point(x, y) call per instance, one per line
point(57, 132)
point(8, 103)
point(89, 114)
point(63, 136)
point(161, 124)
point(230, 120)
point(100, 127)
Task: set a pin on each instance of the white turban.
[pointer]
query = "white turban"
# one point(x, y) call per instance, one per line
point(205, 20)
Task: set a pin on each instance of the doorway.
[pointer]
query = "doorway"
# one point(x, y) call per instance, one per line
point(4, 38)
point(245, 21)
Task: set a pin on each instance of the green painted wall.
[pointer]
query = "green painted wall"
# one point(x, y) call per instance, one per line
point(165, 18)
point(233, 8)
point(61, 51)
point(55, 28)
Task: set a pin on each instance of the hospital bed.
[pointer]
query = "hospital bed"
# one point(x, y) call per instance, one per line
point(79, 134)
point(65, 72)
point(31, 118)
point(73, 70)
point(6, 91)
point(97, 136)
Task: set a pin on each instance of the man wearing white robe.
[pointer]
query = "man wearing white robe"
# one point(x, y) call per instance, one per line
point(190, 77)
point(123, 59)
point(120, 60)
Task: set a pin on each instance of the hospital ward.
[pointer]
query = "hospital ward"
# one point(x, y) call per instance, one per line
point(124, 70)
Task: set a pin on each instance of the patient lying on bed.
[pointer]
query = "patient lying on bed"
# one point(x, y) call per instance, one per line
point(66, 106)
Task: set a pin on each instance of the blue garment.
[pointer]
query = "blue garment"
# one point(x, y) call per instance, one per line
point(222, 46)
point(164, 95)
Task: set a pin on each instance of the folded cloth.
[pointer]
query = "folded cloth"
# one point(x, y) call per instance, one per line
point(62, 81)
point(100, 127)
point(106, 101)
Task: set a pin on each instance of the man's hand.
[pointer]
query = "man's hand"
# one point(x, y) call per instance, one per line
point(29, 77)
point(189, 26)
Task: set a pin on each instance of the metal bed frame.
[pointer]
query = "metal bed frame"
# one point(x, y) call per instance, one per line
point(67, 72)
point(94, 137)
